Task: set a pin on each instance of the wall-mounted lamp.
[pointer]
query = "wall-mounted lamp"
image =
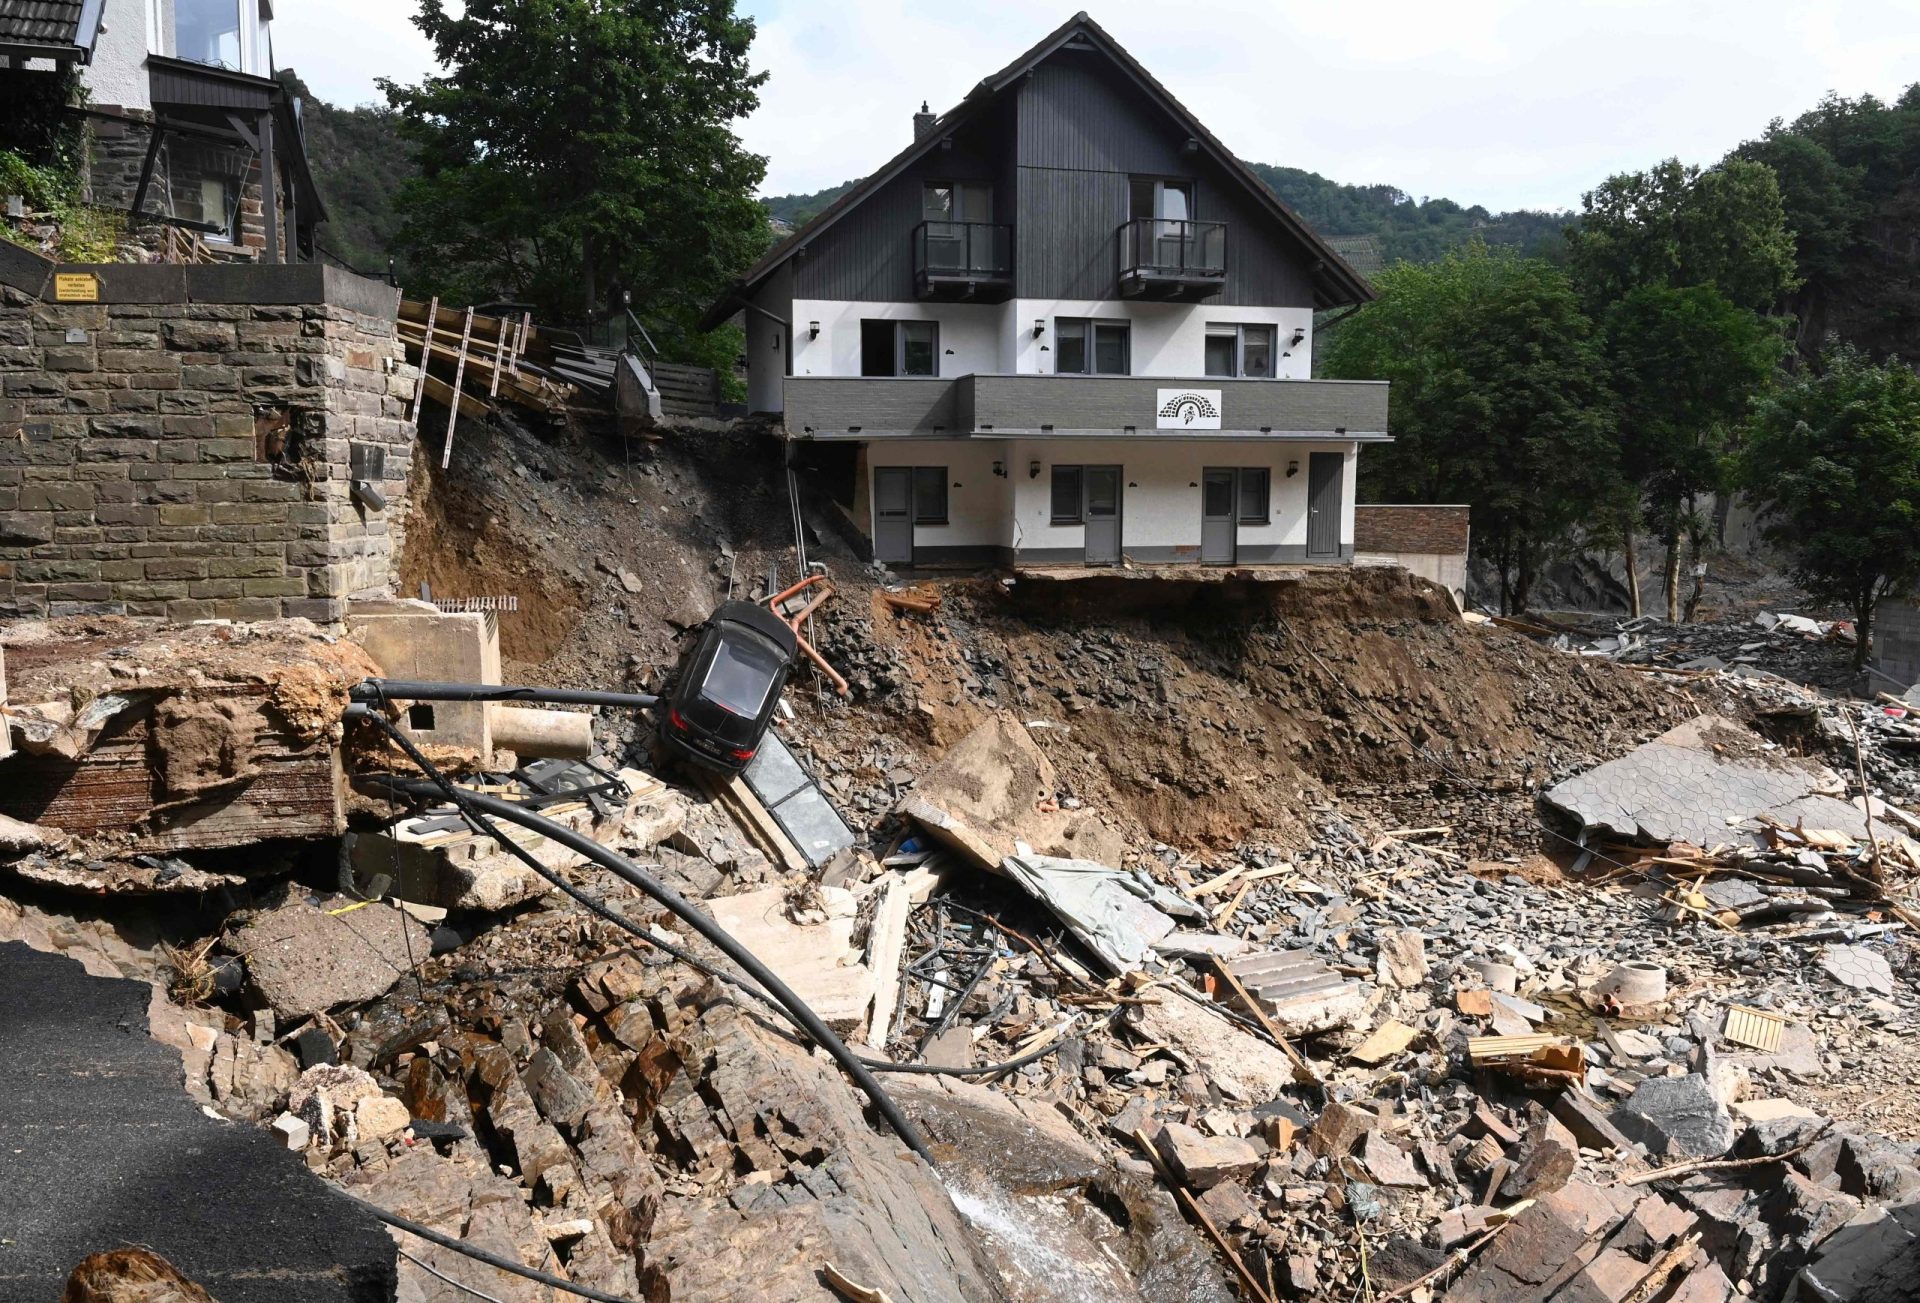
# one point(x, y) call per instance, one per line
point(1299, 333)
point(1000, 470)
point(1039, 327)
point(813, 330)
point(1293, 468)
point(1033, 469)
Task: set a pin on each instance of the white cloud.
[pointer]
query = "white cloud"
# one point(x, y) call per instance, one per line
point(1507, 103)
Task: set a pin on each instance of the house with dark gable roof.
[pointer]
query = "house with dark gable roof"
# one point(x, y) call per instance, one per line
point(186, 120)
point(1065, 326)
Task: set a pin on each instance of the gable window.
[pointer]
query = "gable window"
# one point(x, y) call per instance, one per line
point(1083, 346)
point(1240, 350)
point(1067, 496)
point(1169, 200)
point(929, 495)
point(956, 201)
point(899, 348)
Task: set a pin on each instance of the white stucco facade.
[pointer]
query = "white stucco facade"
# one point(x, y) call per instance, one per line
point(1007, 516)
point(1166, 339)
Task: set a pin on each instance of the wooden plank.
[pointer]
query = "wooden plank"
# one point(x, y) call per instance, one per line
point(459, 376)
point(426, 352)
point(441, 393)
point(522, 387)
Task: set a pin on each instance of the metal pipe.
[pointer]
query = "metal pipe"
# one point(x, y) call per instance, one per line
point(380, 690)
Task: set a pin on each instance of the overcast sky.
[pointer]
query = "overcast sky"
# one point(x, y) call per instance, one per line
point(1506, 103)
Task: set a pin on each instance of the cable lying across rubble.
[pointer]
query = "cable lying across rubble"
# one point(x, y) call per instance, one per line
point(482, 809)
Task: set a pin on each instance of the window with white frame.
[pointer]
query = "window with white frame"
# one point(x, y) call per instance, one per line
point(1236, 350)
point(229, 34)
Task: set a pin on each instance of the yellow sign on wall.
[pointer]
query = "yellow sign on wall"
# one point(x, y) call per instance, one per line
point(76, 287)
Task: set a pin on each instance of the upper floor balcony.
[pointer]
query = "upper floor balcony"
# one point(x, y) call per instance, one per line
point(971, 261)
point(1164, 258)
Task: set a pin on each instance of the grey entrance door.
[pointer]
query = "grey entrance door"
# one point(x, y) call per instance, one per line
point(893, 514)
point(1325, 471)
point(1219, 531)
point(1103, 515)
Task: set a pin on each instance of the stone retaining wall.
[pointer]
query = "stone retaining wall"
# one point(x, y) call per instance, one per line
point(184, 448)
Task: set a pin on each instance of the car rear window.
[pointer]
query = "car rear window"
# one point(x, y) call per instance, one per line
point(743, 669)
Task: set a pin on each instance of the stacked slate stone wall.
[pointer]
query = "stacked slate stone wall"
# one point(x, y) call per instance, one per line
point(187, 447)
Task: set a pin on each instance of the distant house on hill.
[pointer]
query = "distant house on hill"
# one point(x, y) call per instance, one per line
point(186, 118)
point(1065, 326)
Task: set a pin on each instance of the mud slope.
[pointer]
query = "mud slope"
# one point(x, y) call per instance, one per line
point(1206, 715)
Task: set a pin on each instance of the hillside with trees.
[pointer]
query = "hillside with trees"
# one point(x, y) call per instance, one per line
point(359, 165)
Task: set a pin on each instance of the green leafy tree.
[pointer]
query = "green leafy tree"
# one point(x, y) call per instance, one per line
point(1833, 459)
point(1686, 364)
point(1499, 401)
point(1849, 174)
point(1679, 226)
point(572, 150)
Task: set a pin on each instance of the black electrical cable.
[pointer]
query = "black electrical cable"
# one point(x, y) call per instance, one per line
point(432, 1236)
point(479, 808)
point(384, 690)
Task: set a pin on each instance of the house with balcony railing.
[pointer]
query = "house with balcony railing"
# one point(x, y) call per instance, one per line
point(190, 133)
point(1065, 326)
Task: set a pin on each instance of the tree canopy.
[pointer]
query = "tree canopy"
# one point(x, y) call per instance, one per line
point(1833, 459)
point(1849, 176)
point(1500, 401)
point(575, 148)
point(1679, 226)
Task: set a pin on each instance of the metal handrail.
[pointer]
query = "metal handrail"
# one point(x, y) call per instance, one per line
point(997, 262)
point(1186, 237)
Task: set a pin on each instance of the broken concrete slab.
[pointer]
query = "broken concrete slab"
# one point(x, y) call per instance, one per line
point(1859, 968)
point(1300, 994)
point(1241, 1065)
point(302, 960)
point(985, 795)
point(817, 959)
point(1680, 1117)
point(1695, 783)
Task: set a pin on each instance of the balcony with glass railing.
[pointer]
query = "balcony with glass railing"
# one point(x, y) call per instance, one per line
point(970, 261)
point(1162, 258)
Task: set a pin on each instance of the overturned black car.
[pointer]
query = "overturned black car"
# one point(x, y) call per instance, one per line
point(724, 692)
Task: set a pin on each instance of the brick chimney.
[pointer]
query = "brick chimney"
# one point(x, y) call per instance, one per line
point(923, 121)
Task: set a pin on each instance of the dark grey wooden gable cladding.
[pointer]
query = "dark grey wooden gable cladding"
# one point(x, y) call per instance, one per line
point(867, 256)
point(1084, 129)
point(1058, 147)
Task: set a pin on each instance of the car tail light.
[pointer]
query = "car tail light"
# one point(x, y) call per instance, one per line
point(676, 723)
point(741, 755)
